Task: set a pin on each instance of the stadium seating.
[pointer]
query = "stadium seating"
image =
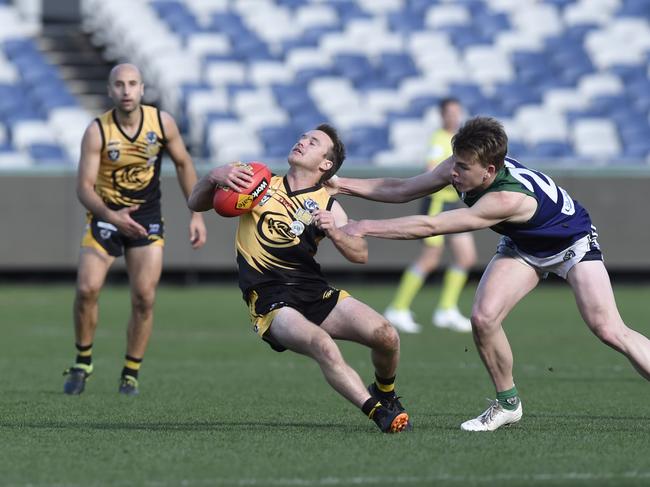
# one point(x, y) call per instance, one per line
point(569, 78)
point(34, 101)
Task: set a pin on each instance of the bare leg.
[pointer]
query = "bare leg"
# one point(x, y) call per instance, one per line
point(294, 331)
point(505, 282)
point(463, 250)
point(428, 260)
point(355, 321)
point(595, 299)
point(91, 274)
point(144, 265)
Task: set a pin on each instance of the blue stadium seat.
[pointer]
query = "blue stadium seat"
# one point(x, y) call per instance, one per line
point(634, 8)
point(551, 149)
point(47, 154)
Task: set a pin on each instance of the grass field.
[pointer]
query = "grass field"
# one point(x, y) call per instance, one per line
point(219, 408)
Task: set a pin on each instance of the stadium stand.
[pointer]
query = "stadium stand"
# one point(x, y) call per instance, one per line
point(569, 78)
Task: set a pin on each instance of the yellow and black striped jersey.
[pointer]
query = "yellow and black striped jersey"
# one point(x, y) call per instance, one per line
point(129, 169)
point(277, 241)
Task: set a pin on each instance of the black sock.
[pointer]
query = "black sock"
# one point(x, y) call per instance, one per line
point(131, 366)
point(84, 354)
point(370, 406)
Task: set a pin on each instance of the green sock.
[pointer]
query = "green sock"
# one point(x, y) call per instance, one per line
point(409, 286)
point(452, 286)
point(508, 399)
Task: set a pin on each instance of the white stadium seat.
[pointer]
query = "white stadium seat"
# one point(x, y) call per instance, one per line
point(596, 138)
point(444, 15)
point(28, 132)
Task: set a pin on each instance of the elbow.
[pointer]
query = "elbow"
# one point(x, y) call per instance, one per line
point(360, 257)
point(191, 204)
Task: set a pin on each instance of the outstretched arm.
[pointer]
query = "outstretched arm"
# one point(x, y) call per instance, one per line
point(491, 209)
point(353, 248)
point(395, 190)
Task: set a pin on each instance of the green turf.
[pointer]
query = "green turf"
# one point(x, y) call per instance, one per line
point(219, 408)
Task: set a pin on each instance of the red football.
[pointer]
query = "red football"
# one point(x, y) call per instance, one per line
point(228, 202)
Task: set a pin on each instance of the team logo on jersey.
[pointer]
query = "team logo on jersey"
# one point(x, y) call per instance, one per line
point(310, 205)
point(113, 150)
point(132, 177)
point(274, 229)
point(151, 137)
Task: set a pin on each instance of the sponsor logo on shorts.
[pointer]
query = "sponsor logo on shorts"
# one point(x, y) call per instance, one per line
point(105, 234)
point(154, 228)
point(328, 294)
point(570, 254)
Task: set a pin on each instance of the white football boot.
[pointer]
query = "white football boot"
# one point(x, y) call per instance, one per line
point(493, 417)
point(451, 319)
point(402, 319)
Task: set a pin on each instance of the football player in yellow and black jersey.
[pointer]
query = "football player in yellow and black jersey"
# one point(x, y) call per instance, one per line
point(291, 304)
point(462, 245)
point(119, 184)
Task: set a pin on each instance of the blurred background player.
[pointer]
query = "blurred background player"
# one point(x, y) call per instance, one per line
point(119, 184)
point(292, 307)
point(463, 249)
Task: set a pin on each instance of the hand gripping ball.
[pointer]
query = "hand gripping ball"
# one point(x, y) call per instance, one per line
point(228, 202)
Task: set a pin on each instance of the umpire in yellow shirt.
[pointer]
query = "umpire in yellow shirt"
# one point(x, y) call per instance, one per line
point(462, 245)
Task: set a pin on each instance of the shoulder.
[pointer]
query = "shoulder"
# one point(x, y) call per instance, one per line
point(93, 134)
point(507, 205)
point(168, 124)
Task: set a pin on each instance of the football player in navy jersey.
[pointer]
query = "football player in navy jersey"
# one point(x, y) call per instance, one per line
point(543, 230)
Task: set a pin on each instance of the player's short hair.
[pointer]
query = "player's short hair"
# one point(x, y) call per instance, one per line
point(336, 154)
point(442, 104)
point(483, 139)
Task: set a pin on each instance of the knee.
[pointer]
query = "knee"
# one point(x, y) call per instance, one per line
point(87, 293)
point(484, 321)
point(143, 301)
point(608, 333)
point(386, 337)
point(325, 350)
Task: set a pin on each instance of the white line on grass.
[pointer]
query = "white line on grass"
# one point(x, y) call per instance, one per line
point(385, 480)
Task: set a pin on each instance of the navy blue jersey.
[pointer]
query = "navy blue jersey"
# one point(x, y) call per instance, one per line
point(558, 222)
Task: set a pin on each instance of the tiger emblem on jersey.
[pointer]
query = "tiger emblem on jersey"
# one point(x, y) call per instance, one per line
point(275, 230)
point(133, 177)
